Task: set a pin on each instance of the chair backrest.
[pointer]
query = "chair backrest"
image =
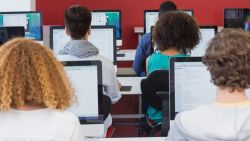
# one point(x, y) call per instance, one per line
point(157, 81)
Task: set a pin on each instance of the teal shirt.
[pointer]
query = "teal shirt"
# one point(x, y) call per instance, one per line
point(158, 61)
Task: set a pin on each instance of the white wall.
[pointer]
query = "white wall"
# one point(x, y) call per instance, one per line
point(17, 5)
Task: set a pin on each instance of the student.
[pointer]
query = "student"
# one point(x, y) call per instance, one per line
point(227, 58)
point(78, 27)
point(34, 94)
point(144, 48)
point(175, 35)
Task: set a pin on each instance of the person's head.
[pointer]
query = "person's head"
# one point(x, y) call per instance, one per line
point(228, 59)
point(77, 20)
point(30, 74)
point(166, 7)
point(176, 30)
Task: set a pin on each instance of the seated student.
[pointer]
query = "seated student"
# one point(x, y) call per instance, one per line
point(34, 93)
point(227, 58)
point(144, 48)
point(175, 35)
point(78, 26)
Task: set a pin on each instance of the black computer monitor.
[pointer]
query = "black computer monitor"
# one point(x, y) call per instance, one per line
point(151, 17)
point(31, 21)
point(103, 37)
point(7, 33)
point(86, 80)
point(237, 18)
point(107, 18)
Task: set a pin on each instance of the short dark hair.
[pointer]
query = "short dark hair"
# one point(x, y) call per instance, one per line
point(178, 30)
point(228, 59)
point(167, 6)
point(77, 20)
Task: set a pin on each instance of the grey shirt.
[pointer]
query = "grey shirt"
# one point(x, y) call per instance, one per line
point(217, 122)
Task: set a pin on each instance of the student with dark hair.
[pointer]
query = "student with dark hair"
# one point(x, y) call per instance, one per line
point(175, 34)
point(78, 27)
point(227, 58)
point(144, 48)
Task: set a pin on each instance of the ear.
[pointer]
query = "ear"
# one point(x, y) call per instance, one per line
point(89, 31)
point(67, 31)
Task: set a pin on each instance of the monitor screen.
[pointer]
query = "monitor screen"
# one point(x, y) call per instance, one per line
point(237, 18)
point(207, 34)
point(151, 17)
point(85, 84)
point(101, 36)
point(7, 33)
point(108, 18)
point(190, 85)
point(31, 21)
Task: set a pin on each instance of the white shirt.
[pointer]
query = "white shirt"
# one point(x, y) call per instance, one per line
point(39, 125)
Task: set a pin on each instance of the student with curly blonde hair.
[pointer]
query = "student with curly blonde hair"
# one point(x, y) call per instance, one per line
point(34, 93)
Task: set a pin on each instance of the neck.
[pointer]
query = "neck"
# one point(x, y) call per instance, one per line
point(170, 52)
point(225, 96)
point(28, 107)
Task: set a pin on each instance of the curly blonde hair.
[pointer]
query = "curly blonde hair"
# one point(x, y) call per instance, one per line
point(30, 74)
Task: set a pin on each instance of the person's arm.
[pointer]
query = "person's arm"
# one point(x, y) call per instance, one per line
point(112, 87)
point(140, 58)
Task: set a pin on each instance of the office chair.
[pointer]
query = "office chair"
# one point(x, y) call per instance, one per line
point(155, 90)
point(107, 103)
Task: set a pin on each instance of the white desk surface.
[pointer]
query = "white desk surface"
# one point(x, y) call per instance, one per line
point(126, 72)
point(93, 130)
point(128, 139)
point(135, 82)
point(129, 55)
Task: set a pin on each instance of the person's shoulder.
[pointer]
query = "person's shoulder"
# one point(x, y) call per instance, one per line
point(63, 114)
point(105, 61)
point(146, 35)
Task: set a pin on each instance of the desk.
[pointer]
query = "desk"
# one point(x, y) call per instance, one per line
point(135, 82)
point(126, 72)
point(129, 55)
point(93, 130)
point(128, 139)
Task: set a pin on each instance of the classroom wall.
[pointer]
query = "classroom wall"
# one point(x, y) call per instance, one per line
point(207, 12)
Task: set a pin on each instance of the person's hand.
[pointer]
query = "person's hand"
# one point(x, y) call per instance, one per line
point(119, 85)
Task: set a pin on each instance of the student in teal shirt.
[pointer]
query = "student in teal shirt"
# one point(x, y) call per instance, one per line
point(175, 35)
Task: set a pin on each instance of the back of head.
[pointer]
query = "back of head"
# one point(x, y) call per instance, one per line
point(176, 30)
point(167, 6)
point(30, 74)
point(227, 59)
point(77, 20)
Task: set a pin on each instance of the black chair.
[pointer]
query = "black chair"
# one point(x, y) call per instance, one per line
point(106, 106)
point(155, 90)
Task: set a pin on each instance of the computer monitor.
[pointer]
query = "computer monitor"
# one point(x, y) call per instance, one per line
point(7, 33)
point(190, 85)
point(151, 17)
point(86, 80)
point(31, 21)
point(237, 18)
point(207, 34)
point(107, 18)
point(103, 37)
